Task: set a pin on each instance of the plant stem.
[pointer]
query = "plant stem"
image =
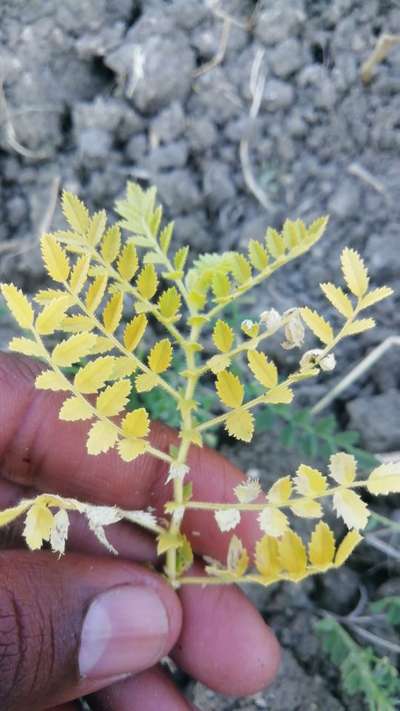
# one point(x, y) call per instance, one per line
point(177, 515)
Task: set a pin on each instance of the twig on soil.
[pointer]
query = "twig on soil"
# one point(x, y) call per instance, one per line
point(9, 130)
point(20, 245)
point(370, 636)
point(382, 48)
point(257, 84)
point(367, 177)
point(220, 54)
point(359, 370)
point(383, 547)
point(48, 215)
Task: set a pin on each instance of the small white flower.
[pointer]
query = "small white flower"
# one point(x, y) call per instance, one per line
point(247, 324)
point(329, 362)
point(313, 357)
point(227, 519)
point(309, 359)
point(271, 319)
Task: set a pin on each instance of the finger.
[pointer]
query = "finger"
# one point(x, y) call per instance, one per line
point(225, 642)
point(69, 627)
point(152, 690)
point(39, 450)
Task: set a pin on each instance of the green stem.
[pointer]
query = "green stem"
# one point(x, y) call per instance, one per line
point(182, 454)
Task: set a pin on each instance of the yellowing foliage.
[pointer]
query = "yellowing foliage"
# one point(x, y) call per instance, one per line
point(103, 363)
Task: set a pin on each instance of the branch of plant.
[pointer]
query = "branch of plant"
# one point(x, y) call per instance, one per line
point(158, 453)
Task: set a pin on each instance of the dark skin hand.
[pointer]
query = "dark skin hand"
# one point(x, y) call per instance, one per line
point(95, 625)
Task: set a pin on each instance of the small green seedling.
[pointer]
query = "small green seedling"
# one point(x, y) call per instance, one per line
point(98, 277)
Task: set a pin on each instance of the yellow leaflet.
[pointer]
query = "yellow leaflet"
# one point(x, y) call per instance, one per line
point(160, 356)
point(147, 281)
point(95, 293)
point(376, 295)
point(180, 257)
point(184, 556)
point(73, 349)
point(273, 521)
point(310, 482)
point(96, 227)
point(18, 304)
point(240, 424)
point(38, 525)
point(136, 423)
point(169, 303)
point(307, 508)
point(79, 273)
point(129, 449)
point(321, 549)
point(48, 380)
point(274, 242)
point(134, 331)
point(43, 296)
point(227, 519)
point(280, 491)
point(385, 479)
point(338, 299)
point(264, 370)
point(8, 515)
point(111, 244)
point(74, 409)
point(280, 394)
point(102, 437)
point(248, 491)
point(292, 554)
point(237, 559)
point(92, 376)
point(27, 347)
point(258, 255)
point(267, 557)
point(229, 388)
point(241, 269)
point(113, 399)
point(354, 272)
point(145, 382)
point(75, 212)
point(52, 316)
point(112, 313)
point(343, 468)
point(222, 336)
point(351, 508)
point(123, 367)
point(77, 323)
point(102, 344)
point(318, 325)
point(359, 326)
point(350, 541)
point(168, 541)
point(128, 262)
point(218, 363)
point(55, 259)
point(221, 287)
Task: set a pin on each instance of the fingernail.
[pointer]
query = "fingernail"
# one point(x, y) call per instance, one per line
point(124, 631)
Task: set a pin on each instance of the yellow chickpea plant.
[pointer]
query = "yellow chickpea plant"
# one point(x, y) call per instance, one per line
point(98, 276)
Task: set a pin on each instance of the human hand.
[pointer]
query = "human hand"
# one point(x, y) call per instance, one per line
point(73, 627)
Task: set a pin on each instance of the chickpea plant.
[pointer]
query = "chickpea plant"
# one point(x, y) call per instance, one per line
point(98, 276)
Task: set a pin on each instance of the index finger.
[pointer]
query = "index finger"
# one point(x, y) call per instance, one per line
point(39, 450)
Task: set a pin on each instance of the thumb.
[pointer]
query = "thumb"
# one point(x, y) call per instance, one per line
point(71, 626)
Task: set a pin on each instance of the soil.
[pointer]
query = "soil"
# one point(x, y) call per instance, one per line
point(122, 90)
